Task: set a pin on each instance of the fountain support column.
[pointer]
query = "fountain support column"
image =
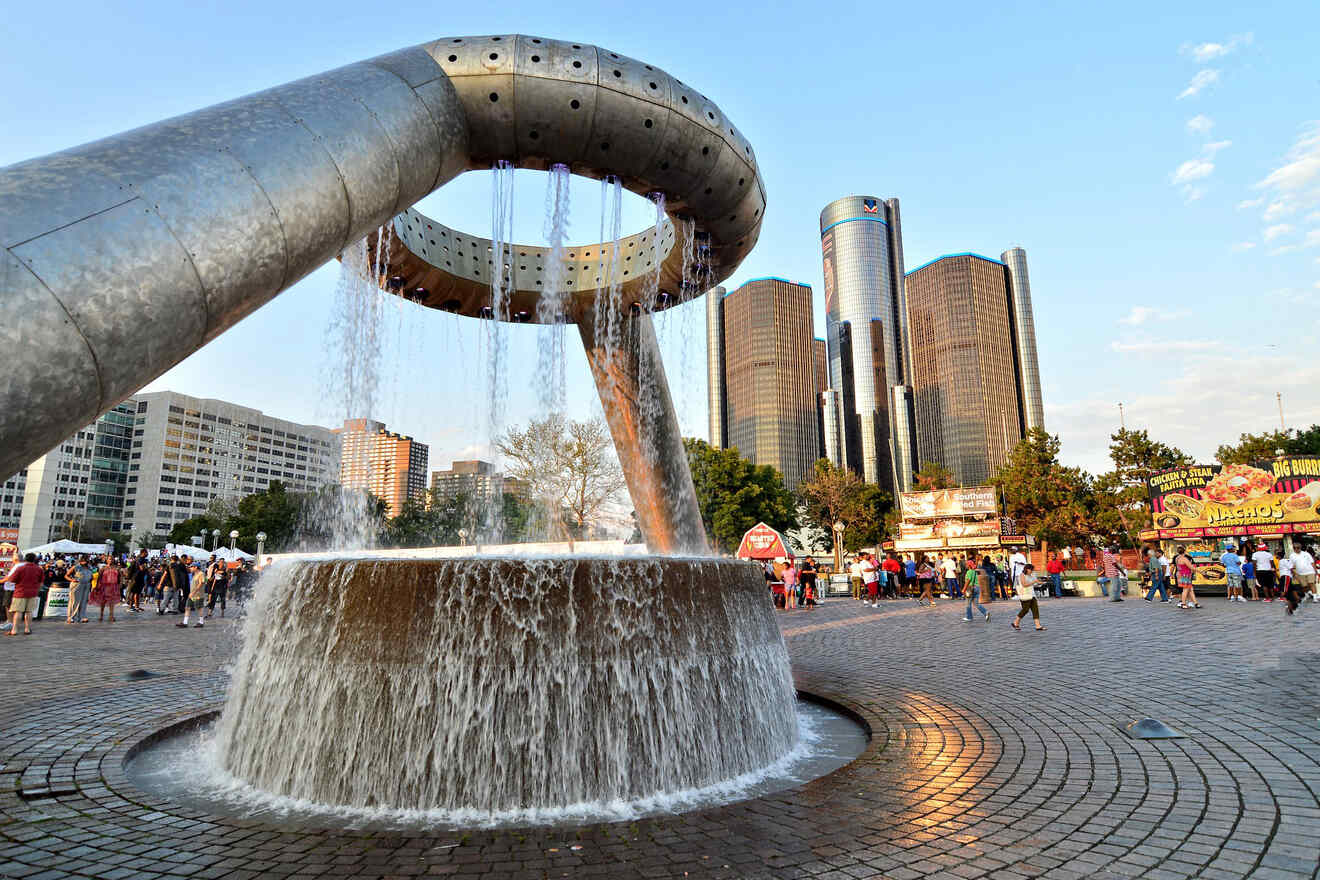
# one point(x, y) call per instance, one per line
point(630, 378)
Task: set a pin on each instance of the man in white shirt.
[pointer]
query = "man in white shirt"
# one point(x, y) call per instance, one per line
point(1016, 564)
point(949, 570)
point(871, 578)
point(1263, 559)
point(1303, 578)
point(855, 577)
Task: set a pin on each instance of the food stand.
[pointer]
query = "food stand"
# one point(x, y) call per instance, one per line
point(761, 543)
point(1206, 507)
point(964, 521)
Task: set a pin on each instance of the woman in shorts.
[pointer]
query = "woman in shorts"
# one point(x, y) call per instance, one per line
point(1186, 569)
point(1026, 593)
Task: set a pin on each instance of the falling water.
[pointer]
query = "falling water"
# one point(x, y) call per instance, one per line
point(494, 683)
point(608, 310)
point(649, 371)
point(501, 283)
point(550, 307)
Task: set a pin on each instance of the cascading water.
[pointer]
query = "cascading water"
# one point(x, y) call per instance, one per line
point(550, 308)
point(495, 684)
point(501, 282)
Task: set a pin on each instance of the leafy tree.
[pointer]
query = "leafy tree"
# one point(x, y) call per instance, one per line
point(1046, 498)
point(326, 518)
point(150, 541)
point(1120, 500)
point(433, 523)
point(833, 494)
point(1304, 442)
point(1256, 447)
point(933, 475)
point(734, 494)
point(183, 532)
point(570, 466)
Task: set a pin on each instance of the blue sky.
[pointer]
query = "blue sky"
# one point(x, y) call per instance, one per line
point(1160, 163)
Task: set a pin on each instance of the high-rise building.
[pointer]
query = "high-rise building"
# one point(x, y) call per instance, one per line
point(719, 428)
point(476, 479)
point(1024, 338)
point(763, 364)
point(866, 335)
point(188, 450)
point(391, 466)
point(77, 489)
point(11, 500)
point(974, 372)
point(820, 363)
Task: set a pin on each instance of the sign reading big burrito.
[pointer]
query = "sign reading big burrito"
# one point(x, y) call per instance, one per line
point(971, 501)
point(1286, 490)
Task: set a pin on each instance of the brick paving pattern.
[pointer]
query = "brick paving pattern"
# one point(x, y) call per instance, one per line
point(994, 753)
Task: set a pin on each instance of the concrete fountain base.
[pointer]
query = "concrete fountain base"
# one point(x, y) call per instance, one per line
point(496, 684)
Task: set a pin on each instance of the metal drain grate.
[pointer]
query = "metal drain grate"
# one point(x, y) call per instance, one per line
point(1150, 728)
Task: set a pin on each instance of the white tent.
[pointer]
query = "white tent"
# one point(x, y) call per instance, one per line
point(201, 555)
point(63, 546)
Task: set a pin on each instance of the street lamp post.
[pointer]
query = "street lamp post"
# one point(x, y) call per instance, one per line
point(233, 540)
point(838, 544)
point(462, 537)
point(261, 546)
point(215, 539)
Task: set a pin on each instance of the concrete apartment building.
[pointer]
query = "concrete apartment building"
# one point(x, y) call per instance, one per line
point(476, 479)
point(390, 466)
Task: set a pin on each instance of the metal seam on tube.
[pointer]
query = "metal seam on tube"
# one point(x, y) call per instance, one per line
point(91, 352)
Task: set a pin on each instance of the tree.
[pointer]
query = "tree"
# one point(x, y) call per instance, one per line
point(183, 532)
point(1120, 499)
point(1255, 447)
point(570, 467)
point(329, 518)
point(431, 523)
point(833, 494)
point(1046, 498)
point(933, 475)
point(150, 541)
point(1304, 442)
point(734, 494)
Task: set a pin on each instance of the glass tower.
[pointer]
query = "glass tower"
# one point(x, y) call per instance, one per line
point(866, 335)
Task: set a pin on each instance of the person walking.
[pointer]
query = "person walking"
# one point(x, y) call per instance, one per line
point(196, 596)
point(973, 590)
point(1054, 568)
point(1026, 593)
point(1303, 578)
point(892, 569)
point(1265, 568)
point(137, 580)
point(1186, 569)
point(80, 589)
point(172, 586)
point(1233, 572)
point(109, 588)
point(990, 577)
point(926, 580)
point(1155, 565)
point(27, 578)
point(909, 575)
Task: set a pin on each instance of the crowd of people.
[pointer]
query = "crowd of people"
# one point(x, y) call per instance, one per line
point(1289, 578)
point(138, 583)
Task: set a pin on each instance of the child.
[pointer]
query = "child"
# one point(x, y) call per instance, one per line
point(1249, 578)
point(1286, 570)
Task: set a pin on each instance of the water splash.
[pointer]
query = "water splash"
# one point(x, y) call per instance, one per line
point(501, 287)
point(551, 307)
point(509, 684)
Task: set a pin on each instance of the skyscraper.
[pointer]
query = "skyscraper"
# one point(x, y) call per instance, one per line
point(391, 466)
point(867, 340)
point(763, 375)
point(974, 372)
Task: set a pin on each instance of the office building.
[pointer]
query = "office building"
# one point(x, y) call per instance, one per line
point(719, 429)
point(867, 340)
point(188, 451)
point(76, 490)
point(763, 375)
point(820, 363)
point(974, 371)
point(390, 466)
point(11, 500)
point(475, 479)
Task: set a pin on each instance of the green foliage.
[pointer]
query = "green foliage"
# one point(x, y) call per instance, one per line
point(150, 541)
point(933, 475)
point(1046, 498)
point(1304, 442)
point(1120, 502)
point(832, 494)
point(183, 532)
point(1259, 447)
point(734, 494)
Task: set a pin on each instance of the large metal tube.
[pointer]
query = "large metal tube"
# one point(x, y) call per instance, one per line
point(123, 256)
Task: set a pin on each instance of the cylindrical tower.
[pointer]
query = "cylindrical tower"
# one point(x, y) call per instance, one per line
point(1024, 339)
point(719, 426)
point(829, 409)
point(861, 245)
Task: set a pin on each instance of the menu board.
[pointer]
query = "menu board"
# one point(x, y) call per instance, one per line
point(1272, 497)
point(949, 528)
point(971, 501)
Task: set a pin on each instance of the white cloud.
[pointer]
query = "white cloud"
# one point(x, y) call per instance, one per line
point(1250, 203)
point(1206, 52)
point(1193, 169)
point(1212, 148)
point(1193, 193)
point(1200, 124)
point(1243, 246)
point(1275, 231)
point(1312, 239)
point(1142, 314)
point(1279, 209)
point(1280, 251)
point(1200, 82)
point(1300, 173)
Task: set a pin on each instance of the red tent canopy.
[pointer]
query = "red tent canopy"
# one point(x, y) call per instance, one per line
point(762, 542)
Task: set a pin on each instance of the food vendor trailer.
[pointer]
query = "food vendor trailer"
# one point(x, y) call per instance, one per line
point(963, 521)
point(1206, 507)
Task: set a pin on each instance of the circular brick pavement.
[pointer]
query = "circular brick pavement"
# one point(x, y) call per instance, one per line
point(994, 754)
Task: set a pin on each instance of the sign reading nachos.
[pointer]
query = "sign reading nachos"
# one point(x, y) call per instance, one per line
point(1283, 494)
